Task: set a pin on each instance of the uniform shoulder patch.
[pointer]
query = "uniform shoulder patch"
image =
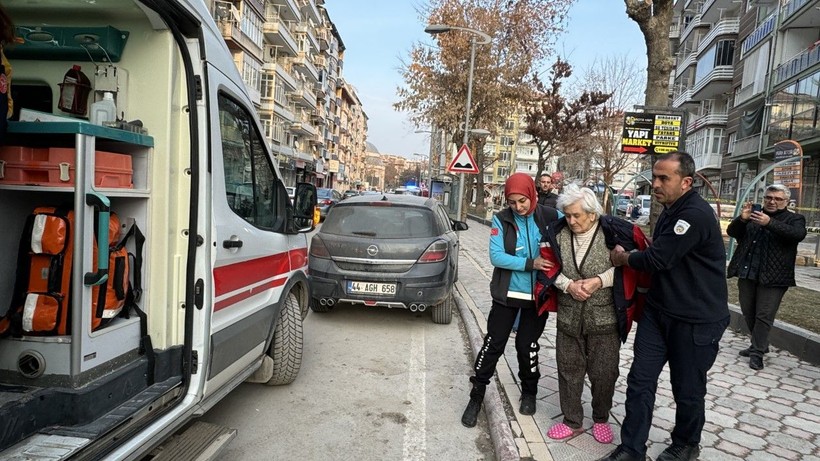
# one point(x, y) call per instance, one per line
point(681, 227)
point(494, 231)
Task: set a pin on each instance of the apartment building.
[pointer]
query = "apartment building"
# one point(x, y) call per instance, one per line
point(290, 55)
point(747, 75)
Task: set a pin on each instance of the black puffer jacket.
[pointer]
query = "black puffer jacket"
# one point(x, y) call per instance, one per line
point(777, 244)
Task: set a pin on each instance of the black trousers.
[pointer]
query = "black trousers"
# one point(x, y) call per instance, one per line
point(759, 305)
point(690, 349)
point(499, 325)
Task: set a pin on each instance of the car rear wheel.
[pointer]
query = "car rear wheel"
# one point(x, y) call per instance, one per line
point(316, 307)
point(286, 350)
point(443, 311)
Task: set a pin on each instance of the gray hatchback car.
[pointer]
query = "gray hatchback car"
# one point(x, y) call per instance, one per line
point(395, 251)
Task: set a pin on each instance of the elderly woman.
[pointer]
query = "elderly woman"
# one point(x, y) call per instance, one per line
point(591, 322)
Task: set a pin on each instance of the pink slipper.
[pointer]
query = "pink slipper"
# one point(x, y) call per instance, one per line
point(561, 431)
point(602, 433)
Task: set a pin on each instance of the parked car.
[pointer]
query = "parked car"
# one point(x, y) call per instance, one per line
point(643, 203)
point(327, 198)
point(395, 251)
point(350, 193)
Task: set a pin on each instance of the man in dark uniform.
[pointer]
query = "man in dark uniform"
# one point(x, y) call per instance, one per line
point(685, 316)
point(545, 195)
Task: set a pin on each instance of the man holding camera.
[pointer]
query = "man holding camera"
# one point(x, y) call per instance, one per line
point(767, 239)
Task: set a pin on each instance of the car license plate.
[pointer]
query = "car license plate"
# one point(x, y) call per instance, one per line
point(370, 288)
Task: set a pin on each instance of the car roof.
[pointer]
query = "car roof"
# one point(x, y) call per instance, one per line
point(411, 200)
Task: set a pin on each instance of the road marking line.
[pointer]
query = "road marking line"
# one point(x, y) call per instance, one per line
point(415, 430)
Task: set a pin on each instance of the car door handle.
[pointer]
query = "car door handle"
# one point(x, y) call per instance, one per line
point(232, 244)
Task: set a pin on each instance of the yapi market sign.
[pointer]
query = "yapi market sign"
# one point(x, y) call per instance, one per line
point(646, 133)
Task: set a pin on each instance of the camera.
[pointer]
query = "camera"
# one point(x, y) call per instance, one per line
point(757, 207)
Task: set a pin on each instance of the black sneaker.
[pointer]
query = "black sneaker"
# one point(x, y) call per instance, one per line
point(678, 452)
point(756, 362)
point(620, 454)
point(527, 404)
point(470, 416)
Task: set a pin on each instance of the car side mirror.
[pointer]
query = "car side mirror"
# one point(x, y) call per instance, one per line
point(304, 201)
point(460, 226)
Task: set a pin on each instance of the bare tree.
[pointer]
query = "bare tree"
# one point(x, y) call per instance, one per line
point(618, 76)
point(557, 124)
point(435, 80)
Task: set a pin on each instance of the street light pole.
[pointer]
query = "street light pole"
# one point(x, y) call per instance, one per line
point(486, 39)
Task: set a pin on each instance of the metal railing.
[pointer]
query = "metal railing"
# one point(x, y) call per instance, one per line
point(798, 63)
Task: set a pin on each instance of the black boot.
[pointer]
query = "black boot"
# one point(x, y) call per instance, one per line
point(470, 416)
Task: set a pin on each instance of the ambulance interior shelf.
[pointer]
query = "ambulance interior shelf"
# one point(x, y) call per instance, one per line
point(57, 43)
point(68, 360)
point(63, 134)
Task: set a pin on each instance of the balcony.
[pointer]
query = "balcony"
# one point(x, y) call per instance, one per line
point(712, 10)
point(707, 162)
point(305, 29)
point(794, 15)
point(321, 36)
point(302, 96)
point(763, 30)
point(303, 62)
point(746, 146)
point(283, 70)
point(689, 58)
point(715, 83)
point(806, 59)
point(287, 9)
point(278, 33)
point(748, 92)
point(685, 96)
point(227, 20)
point(695, 22)
point(309, 10)
point(707, 120)
point(727, 26)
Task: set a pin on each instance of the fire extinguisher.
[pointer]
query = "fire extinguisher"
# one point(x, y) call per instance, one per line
point(74, 92)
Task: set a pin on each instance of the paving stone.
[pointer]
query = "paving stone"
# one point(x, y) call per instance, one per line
point(767, 383)
point(784, 453)
point(787, 395)
point(784, 410)
point(720, 419)
point(743, 439)
point(727, 448)
point(790, 442)
point(752, 429)
point(754, 393)
point(731, 402)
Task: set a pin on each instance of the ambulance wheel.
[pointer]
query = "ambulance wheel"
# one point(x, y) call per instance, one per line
point(315, 306)
point(443, 311)
point(286, 350)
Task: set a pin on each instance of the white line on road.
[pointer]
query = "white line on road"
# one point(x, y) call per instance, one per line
point(415, 430)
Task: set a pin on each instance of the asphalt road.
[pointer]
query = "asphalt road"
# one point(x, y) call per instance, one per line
point(374, 384)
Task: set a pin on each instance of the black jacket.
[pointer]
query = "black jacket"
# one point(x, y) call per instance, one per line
point(687, 260)
point(770, 250)
point(500, 283)
point(547, 199)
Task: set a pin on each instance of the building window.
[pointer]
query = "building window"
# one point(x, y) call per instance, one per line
point(268, 80)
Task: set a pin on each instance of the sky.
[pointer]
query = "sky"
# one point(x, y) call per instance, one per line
point(378, 35)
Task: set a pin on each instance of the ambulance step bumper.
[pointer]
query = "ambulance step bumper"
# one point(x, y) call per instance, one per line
point(201, 441)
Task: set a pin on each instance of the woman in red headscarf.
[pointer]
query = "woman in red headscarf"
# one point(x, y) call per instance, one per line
point(514, 252)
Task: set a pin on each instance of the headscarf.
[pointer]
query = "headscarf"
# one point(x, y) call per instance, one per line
point(522, 183)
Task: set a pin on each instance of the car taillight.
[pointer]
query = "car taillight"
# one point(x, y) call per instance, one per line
point(327, 201)
point(435, 252)
point(318, 248)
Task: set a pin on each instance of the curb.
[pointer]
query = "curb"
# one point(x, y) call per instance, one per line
point(500, 432)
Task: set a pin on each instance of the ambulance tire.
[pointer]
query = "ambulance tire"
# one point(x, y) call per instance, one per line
point(316, 307)
point(286, 349)
point(443, 311)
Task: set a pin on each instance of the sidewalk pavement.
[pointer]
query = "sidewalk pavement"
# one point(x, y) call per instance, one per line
point(765, 415)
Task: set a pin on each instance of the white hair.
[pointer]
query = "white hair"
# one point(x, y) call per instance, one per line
point(572, 194)
point(780, 188)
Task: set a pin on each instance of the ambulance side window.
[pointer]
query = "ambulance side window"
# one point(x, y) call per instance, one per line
point(249, 175)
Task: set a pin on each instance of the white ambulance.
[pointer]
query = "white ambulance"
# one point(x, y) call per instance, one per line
point(222, 268)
